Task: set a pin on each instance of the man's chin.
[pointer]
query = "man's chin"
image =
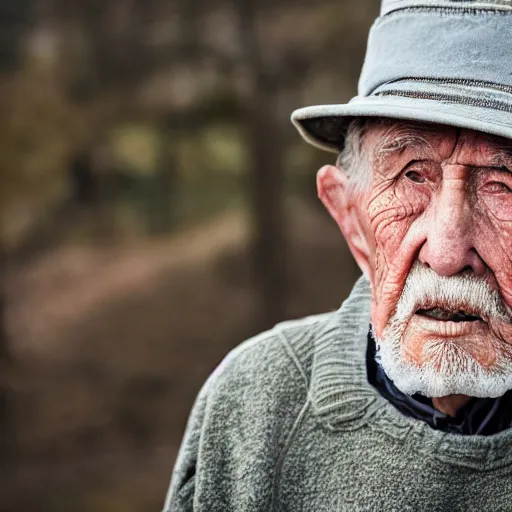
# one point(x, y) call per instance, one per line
point(442, 366)
point(434, 384)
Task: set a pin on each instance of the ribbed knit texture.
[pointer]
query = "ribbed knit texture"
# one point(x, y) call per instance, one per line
point(288, 422)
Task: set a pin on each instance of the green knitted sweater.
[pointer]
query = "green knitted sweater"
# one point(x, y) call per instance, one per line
point(288, 422)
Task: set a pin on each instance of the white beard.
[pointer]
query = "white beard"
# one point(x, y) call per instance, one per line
point(448, 369)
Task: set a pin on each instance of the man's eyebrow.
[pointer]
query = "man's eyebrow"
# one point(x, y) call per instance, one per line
point(503, 156)
point(398, 141)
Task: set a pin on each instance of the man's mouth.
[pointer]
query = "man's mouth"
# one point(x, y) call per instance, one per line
point(447, 315)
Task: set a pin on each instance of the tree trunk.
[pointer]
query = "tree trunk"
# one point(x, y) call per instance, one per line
point(266, 175)
point(267, 208)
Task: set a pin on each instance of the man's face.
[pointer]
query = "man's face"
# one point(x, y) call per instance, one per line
point(437, 225)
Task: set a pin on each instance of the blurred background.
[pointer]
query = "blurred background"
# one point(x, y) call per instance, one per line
point(157, 208)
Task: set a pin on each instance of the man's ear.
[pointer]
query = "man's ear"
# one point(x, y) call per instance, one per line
point(341, 203)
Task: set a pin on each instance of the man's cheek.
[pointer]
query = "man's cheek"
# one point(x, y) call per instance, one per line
point(394, 254)
point(392, 211)
point(505, 285)
point(504, 274)
point(391, 214)
point(390, 273)
point(494, 244)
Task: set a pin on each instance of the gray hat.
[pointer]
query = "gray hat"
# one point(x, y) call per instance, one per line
point(440, 61)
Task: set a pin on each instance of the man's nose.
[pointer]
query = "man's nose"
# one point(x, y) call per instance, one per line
point(448, 248)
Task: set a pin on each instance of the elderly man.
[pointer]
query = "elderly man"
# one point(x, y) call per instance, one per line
point(401, 399)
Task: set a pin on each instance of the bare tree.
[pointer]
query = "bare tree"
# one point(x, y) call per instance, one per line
point(265, 186)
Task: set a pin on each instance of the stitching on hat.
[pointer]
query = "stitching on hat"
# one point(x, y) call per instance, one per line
point(456, 81)
point(450, 98)
point(447, 11)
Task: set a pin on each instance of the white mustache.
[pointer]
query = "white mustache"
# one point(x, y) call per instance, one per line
point(424, 289)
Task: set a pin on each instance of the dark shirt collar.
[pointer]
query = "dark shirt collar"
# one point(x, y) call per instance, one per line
point(480, 416)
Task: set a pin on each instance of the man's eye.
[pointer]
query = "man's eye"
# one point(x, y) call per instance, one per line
point(497, 187)
point(415, 176)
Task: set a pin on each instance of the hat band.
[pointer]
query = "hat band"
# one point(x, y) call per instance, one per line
point(464, 92)
point(476, 46)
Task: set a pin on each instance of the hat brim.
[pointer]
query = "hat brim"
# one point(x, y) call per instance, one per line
point(325, 126)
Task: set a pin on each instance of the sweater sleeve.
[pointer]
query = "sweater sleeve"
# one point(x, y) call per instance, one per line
point(180, 495)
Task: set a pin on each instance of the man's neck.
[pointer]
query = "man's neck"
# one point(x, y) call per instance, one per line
point(450, 404)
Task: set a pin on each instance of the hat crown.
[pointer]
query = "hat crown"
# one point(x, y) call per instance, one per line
point(392, 5)
point(436, 61)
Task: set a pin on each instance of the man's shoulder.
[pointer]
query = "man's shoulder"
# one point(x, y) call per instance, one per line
point(246, 411)
point(286, 348)
point(279, 359)
point(244, 414)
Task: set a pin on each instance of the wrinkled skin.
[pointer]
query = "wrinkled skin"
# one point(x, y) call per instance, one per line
point(439, 195)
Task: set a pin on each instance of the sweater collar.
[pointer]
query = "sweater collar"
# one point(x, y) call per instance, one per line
point(480, 416)
point(343, 399)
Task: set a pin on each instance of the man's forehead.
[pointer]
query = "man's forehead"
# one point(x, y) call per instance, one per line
point(389, 137)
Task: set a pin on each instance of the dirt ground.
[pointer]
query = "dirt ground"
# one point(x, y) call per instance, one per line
point(112, 344)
